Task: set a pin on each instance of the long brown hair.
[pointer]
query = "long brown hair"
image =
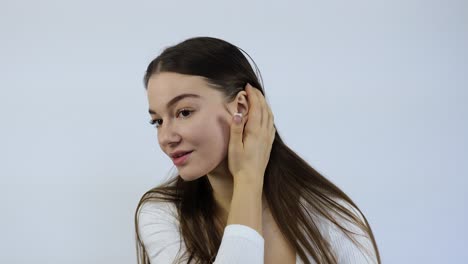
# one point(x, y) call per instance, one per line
point(292, 188)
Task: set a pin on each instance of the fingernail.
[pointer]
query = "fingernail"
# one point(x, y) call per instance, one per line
point(237, 117)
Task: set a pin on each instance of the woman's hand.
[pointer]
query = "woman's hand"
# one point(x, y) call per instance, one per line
point(250, 147)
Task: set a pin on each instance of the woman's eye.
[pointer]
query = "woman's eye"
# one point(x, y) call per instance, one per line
point(188, 112)
point(157, 122)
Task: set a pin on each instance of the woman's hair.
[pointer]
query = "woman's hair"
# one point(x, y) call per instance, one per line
point(293, 189)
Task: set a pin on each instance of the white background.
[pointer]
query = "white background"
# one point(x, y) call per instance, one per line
point(372, 93)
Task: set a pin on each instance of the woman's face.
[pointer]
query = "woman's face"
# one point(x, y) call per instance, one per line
point(199, 124)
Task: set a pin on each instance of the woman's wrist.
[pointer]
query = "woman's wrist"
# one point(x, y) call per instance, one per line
point(249, 182)
point(246, 206)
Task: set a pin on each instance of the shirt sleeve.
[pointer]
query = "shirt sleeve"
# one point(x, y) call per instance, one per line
point(347, 251)
point(240, 244)
point(159, 233)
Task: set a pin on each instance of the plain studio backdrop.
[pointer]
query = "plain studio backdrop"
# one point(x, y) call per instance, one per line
point(373, 94)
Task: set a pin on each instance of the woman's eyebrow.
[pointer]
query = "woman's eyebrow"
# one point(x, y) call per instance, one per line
point(174, 100)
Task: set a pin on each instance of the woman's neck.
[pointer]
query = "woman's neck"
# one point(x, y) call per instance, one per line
point(222, 183)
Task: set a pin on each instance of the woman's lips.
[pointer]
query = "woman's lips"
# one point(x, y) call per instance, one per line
point(182, 159)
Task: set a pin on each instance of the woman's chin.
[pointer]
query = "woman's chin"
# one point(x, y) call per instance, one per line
point(191, 174)
point(189, 177)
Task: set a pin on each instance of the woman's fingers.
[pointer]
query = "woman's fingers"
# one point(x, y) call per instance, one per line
point(264, 109)
point(269, 126)
point(263, 126)
point(259, 106)
point(254, 111)
point(271, 119)
point(249, 151)
point(267, 116)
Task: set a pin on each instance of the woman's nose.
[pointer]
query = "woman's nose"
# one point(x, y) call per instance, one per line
point(168, 135)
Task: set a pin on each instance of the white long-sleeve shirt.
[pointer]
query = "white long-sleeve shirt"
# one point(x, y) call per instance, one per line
point(240, 244)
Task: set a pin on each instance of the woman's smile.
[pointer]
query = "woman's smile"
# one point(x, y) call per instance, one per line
point(178, 161)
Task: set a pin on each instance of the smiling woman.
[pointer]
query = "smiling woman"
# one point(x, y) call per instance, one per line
point(195, 119)
point(287, 213)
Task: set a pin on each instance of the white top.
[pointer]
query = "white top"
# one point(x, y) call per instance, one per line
point(159, 233)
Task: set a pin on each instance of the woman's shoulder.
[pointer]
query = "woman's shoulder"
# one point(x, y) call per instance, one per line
point(326, 223)
point(353, 246)
point(158, 214)
point(158, 229)
point(155, 205)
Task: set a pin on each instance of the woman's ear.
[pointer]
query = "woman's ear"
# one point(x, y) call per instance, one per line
point(241, 103)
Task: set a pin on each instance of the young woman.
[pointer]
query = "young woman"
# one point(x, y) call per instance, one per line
point(241, 195)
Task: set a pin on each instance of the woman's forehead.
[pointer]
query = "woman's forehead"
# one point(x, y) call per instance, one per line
point(165, 87)
point(167, 82)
